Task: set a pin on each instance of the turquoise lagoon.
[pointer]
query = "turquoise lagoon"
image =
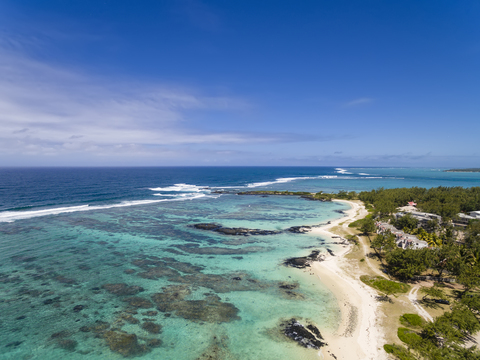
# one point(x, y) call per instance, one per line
point(89, 253)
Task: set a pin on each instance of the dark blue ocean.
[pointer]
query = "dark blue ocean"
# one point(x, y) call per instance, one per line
point(105, 263)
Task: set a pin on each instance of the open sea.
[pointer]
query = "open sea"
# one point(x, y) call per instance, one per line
point(105, 263)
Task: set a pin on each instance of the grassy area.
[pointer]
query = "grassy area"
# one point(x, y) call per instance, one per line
point(358, 224)
point(408, 336)
point(399, 351)
point(385, 286)
point(411, 320)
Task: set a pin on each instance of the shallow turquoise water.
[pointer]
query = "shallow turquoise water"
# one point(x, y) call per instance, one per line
point(67, 235)
point(52, 264)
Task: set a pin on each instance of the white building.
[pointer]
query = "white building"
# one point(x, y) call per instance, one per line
point(402, 239)
point(423, 218)
point(475, 214)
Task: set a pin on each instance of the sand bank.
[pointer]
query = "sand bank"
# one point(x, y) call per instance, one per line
point(359, 335)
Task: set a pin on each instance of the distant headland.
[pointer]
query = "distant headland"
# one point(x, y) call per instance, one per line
point(464, 170)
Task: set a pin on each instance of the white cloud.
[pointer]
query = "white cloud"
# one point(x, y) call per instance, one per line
point(49, 110)
point(359, 101)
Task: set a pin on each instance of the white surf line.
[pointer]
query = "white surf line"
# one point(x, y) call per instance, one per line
point(11, 216)
point(412, 296)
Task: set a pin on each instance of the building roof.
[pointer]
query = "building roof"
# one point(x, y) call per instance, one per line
point(464, 216)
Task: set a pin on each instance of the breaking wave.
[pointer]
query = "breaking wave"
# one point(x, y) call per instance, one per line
point(10, 216)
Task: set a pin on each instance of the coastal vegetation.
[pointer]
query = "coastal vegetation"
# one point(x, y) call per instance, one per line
point(444, 201)
point(444, 338)
point(451, 263)
point(452, 252)
point(388, 287)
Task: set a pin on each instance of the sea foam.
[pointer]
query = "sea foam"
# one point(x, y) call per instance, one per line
point(10, 216)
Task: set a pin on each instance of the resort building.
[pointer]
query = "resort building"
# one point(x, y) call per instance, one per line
point(464, 219)
point(475, 214)
point(402, 239)
point(422, 217)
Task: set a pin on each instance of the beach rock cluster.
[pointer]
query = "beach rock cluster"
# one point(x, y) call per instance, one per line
point(307, 336)
point(247, 232)
point(304, 261)
point(233, 231)
point(299, 229)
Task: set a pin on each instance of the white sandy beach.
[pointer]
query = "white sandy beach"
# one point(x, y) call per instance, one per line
point(359, 335)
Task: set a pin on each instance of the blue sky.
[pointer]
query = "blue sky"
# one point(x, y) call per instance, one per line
point(322, 83)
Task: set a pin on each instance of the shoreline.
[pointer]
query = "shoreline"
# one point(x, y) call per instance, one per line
point(358, 335)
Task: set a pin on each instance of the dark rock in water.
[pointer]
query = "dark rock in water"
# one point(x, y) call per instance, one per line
point(330, 252)
point(124, 344)
point(315, 330)
point(302, 262)
point(234, 231)
point(299, 229)
point(288, 286)
point(122, 289)
point(20, 317)
point(207, 226)
point(78, 308)
point(139, 302)
point(67, 344)
point(308, 337)
point(151, 327)
point(14, 344)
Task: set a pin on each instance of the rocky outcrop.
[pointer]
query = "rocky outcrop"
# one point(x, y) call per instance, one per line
point(299, 229)
point(234, 231)
point(246, 232)
point(307, 336)
point(304, 261)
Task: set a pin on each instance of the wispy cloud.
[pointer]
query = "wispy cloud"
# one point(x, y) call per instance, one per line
point(359, 101)
point(47, 110)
